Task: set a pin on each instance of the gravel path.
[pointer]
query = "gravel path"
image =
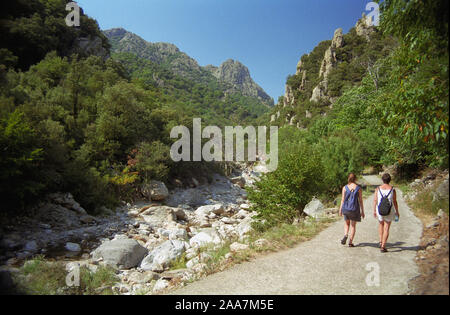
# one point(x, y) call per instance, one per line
point(323, 266)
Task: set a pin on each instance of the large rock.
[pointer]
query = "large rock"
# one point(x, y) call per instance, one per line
point(319, 92)
point(67, 201)
point(238, 247)
point(137, 277)
point(175, 274)
point(73, 247)
point(159, 216)
point(315, 209)
point(206, 237)
point(174, 234)
point(59, 216)
point(244, 227)
point(288, 97)
point(239, 180)
point(180, 214)
point(121, 253)
point(160, 285)
point(242, 214)
point(207, 210)
point(238, 78)
point(364, 28)
point(227, 232)
point(443, 190)
point(155, 190)
point(161, 257)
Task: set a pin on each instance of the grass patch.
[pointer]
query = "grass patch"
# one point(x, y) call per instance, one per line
point(425, 205)
point(287, 235)
point(41, 277)
point(179, 263)
point(98, 282)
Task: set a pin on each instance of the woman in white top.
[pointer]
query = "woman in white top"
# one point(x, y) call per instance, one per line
point(388, 191)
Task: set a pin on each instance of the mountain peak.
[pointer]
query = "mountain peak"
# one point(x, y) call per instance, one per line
point(238, 76)
point(115, 32)
point(231, 72)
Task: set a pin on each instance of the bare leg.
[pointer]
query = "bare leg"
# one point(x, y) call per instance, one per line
point(346, 227)
point(386, 228)
point(353, 231)
point(380, 231)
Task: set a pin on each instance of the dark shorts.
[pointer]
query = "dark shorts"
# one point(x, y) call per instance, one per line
point(353, 216)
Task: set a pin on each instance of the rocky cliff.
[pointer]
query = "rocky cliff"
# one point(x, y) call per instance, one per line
point(232, 73)
point(238, 77)
point(322, 75)
point(161, 53)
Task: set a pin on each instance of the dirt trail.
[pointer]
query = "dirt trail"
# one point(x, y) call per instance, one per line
point(324, 266)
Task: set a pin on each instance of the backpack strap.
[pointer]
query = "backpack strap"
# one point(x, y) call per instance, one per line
point(390, 192)
point(347, 193)
point(379, 190)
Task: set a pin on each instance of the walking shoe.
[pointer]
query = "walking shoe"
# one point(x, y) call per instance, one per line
point(344, 240)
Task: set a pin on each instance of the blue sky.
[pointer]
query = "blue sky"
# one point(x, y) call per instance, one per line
point(268, 36)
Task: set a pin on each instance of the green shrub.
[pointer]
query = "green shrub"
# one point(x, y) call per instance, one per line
point(281, 195)
point(341, 154)
point(153, 161)
point(38, 276)
point(98, 282)
point(19, 161)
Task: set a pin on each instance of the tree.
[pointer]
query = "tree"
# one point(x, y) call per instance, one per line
point(19, 162)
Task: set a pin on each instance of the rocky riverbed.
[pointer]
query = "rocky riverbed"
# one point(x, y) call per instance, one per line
point(140, 240)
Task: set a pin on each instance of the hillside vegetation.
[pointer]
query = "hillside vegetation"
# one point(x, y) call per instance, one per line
point(392, 112)
point(74, 120)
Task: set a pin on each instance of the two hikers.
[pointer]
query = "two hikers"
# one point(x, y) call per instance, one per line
point(352, 208)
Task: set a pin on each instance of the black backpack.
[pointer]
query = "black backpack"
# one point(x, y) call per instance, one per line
point(385, 206)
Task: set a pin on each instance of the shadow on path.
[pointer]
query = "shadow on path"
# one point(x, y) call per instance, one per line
point(392, 247)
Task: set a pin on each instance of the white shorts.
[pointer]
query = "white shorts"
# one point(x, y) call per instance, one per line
point(387, 218)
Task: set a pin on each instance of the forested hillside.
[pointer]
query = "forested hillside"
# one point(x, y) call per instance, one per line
point(74, 120)
point(31, 29)
point(231, 77)
point(378, 98)
point(194, 97)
